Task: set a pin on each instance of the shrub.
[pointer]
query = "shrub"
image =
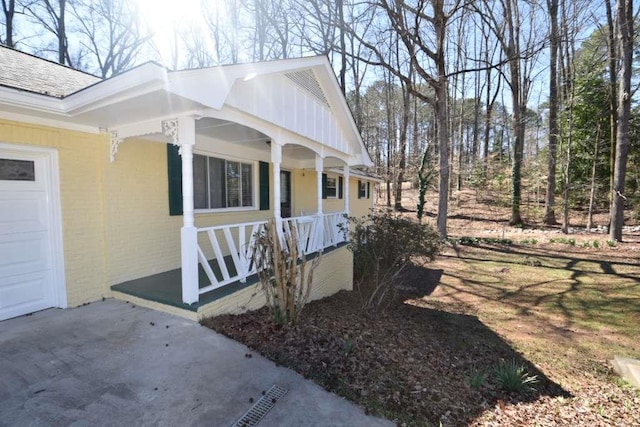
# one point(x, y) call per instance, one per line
point(285, 276)
point(477, 378)
point(383, 245)
point(513, 377)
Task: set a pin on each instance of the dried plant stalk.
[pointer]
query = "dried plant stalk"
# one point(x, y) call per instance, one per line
point(285, 276)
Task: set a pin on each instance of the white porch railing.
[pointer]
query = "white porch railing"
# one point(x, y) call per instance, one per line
point(225, 251)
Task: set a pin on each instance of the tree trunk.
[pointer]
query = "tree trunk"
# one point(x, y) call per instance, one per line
point(9, 8)
point(343, 49)
point(624, 15)
point(594, 168)
point(404, 130)
point(443, 151)
point(567, 177)
point(62, 35)
point(613, 102)
point(550, 216)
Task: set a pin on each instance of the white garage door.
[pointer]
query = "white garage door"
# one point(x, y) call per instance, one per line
point(29, 280)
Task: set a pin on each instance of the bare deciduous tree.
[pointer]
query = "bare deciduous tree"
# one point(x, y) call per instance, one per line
point(9, 10)
point(112, 34)
point(51, 16)
point(624, 30)
point(550, 215)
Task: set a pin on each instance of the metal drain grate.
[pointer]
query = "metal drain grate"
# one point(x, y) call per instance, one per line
point(257, 412)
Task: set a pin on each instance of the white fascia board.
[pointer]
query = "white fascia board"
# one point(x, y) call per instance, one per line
point(357, 174)
point(31, 101)
point(143, 79)
point(51, 121)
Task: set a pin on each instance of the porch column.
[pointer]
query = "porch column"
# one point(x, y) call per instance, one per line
point(320, 218)
point(276, 160)
point(346, 174)
point(319, 170)
point(184, 134)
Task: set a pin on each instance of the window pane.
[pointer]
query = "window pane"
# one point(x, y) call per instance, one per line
point(200, 182)
point(233, 184)
point(247, 185)
point(217, 194)
point(331, 187)
point(17, 170)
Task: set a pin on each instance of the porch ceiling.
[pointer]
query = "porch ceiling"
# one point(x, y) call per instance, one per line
point(112, 114)
point(245, 136)
point(231, 132)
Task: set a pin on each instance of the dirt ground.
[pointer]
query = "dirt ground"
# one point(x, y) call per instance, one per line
point(559, 305)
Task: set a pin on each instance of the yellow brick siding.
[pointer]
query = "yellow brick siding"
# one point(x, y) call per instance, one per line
point(335, 273)
point(304, 188)
point(359, 207)
point(191, 315)
point(305, 196)
point(81, 191)
point(142, 238)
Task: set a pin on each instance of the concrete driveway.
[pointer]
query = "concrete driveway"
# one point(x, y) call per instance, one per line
point(111, 363)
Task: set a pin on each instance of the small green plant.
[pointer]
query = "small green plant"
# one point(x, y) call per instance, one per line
point(611, 243)
point(529, 241)
point(563, 240)
point(513, 377)
point(477, 377)
point(348, 346)
point(596, 244)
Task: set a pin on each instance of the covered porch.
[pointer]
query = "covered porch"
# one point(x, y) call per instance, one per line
point(216, 283)
point(244, 144)
point(216, 255)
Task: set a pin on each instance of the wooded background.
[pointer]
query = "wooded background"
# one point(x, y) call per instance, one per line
point(504, 94)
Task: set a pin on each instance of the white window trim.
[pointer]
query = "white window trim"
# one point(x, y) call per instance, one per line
point(366, 187)
point(256, 184)
point(336, 177)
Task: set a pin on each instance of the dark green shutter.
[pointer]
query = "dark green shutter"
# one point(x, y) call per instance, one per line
point(324, 185)
point(359, 192)
point(340, 183)
point(174, 171)
point(264, 186)
point(368, 190)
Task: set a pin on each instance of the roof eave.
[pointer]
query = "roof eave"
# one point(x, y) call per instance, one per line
point(18, 98)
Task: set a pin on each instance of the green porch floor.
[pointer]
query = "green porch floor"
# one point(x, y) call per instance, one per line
point(166, 288)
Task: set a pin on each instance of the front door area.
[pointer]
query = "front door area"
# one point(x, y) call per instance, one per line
point(29, 276)
point(285, 194)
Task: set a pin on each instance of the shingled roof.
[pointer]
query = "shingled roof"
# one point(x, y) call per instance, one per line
point(27, 72)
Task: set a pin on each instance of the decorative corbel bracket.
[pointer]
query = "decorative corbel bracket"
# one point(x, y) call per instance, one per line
point(115, 143)
point(170, 129)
